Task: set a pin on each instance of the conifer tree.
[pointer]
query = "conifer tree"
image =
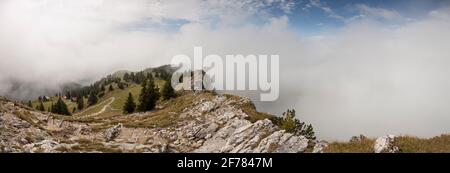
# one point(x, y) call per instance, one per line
point(143, 97)
point(30, 104)
point(133, 77)
point(167, 91)
point(154, 95)
point(52, 107)
point(41, 106)
point(149, 76)
point(60, 108)
point(80, 103)
point(292, 125)
point(126, 77)
point(129, 106)
point(148, 97)
point(92, 100)
point(111, 88)
point(121, 85)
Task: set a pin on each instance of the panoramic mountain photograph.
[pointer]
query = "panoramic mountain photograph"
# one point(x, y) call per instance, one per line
point(224, 76)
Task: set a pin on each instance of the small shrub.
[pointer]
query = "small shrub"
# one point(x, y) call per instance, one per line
point(292, 125)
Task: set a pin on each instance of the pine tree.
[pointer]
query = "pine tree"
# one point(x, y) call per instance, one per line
point(148, 97)
point(309, 132)
point(30, 104)
point(129, 106)
point(92, 100)
point(60, 108)
point(167, 91)
point(126, 77)
point(140, 77)
point(111, 88)
point(149, 76)
point(41, 106)
point(133, 77)
point(292, 125)
point(80, 103)
point(143, 97)
point(121, 85)
point(154, 95)
point(51, 108)
point(102, 88)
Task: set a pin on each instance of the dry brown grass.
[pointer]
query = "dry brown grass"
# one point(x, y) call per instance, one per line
point(362, 146)
point(407, 144)
point(250, 109)
point(438, 144)
point(84, 145)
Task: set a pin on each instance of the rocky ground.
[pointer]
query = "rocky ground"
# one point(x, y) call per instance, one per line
point(195, 122)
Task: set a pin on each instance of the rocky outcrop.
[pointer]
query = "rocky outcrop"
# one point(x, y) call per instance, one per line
point(241, 136)
point(45, 146)
point(208, 124)
point(113, 132)
point(320, 147)
point(386, 144)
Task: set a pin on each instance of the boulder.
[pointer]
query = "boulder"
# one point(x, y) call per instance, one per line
point(320, 147)
point(113, 132)
point(386, 144)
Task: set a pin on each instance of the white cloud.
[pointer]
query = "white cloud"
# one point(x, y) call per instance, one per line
point(364, 12)
point(325, 8)
point(376, 13)
point(350, 80)
point(369, 78)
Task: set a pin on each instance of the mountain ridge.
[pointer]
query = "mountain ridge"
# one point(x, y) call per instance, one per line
point(205, 123)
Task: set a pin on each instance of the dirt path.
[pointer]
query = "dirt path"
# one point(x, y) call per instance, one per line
point(104, 107)
point(108, 105)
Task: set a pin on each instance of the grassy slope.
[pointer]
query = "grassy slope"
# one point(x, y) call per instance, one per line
point(120, 97)
point(407, 144)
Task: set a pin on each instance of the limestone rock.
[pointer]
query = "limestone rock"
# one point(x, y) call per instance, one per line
point(45, 146)
point(386, 144)
point(211, 124)
point(320, 146)
point(113, 132)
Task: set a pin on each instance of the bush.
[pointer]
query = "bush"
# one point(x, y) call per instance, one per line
point(292, 125)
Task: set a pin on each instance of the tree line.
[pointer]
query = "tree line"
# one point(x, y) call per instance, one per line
point(148, 96)
point(147, 99)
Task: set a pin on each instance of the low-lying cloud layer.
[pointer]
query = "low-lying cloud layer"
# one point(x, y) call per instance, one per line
point(365, 77)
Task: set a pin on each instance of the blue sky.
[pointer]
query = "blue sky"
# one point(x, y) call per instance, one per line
point(305, 16)
point(315, 19)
